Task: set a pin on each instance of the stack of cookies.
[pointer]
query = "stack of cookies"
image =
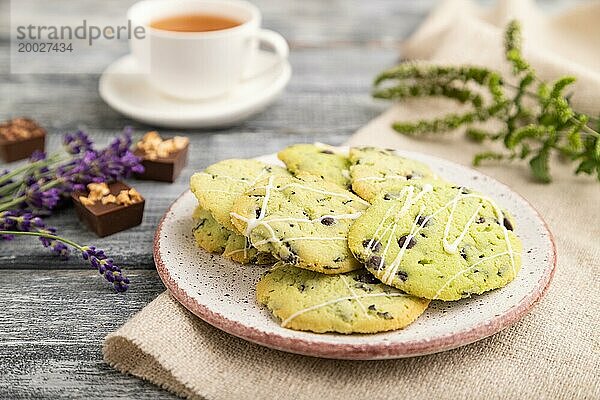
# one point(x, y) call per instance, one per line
point(360, 242)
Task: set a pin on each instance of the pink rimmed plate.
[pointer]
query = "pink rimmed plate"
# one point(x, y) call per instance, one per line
point(222, 292)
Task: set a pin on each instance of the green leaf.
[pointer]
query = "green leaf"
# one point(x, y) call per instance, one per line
point(585, 167)
point(477, 135)
point(486, 155)
point(529, 131)
point(561, 84)
point(540, 165)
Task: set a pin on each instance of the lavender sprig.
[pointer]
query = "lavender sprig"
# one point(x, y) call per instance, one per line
point(12, 224)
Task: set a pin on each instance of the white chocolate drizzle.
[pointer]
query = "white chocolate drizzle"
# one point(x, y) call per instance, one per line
point(390, 271)
point(256, 221)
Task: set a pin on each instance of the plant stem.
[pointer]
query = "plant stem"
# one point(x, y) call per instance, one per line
point(45, 235)
point(41, 163)
point(7, 189)
point(15, 202)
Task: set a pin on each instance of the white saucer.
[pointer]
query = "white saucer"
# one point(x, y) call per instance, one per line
point(130, 94)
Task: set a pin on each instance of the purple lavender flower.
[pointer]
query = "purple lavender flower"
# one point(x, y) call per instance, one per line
point(77, 142)
point(37, 155)
point(121, 143)
point(22, 221)
point(57, 247)
point(38, 198)
point(18, 222)
point(105, 267)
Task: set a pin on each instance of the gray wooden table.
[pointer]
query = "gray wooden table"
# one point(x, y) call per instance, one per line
point(53, 314)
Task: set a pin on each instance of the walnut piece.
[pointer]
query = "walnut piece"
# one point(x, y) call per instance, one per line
point(101, 192)
point(153, 146)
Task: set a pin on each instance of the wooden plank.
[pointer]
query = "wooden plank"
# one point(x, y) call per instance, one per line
point(51, 329)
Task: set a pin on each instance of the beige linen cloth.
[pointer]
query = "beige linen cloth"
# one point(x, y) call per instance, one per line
point(552, 353)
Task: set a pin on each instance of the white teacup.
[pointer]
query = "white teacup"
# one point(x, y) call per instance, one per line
point(199, 65)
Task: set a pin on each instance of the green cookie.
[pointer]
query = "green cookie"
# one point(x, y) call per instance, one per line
point(209, 234)
point(220, 184)
point(345, 303)
point(303, 221)
point(319, 160)
point(215, 238)
point(440, 242)
point(375, 172)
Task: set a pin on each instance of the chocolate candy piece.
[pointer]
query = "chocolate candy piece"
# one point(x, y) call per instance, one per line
point(19, 138)
point(109, 218)
point(159, 163)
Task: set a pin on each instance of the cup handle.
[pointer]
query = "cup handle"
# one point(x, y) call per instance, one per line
point(277, 43)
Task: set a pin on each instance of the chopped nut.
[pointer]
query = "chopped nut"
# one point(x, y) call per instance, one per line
point(85, 201)
point(154, 146)
point(123, 198)
point(97, 190)
point(180, 142)
point(164, 148)
point(135, 196)
point(110, 199)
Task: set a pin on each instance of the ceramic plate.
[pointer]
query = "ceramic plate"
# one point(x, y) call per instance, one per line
point(128, 92)
point(222, 292)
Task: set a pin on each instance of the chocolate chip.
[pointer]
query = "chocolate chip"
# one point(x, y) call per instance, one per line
point(372, 244)
point(465, 190)
point(338, 259)
point(301, 287)
point(327, 221)
point(291, 257)
point(372, 307)
point(409, 177)
point(402, 275)
point(387, 196)
point(480, 220)
point(385, 315)
point(257, 212)
point(507, 224)
point(200, 224)
point(326, 151)
point(463, 253)
point(423, 221)
point(366, 277)
point(410, 244)
point(375, 262)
